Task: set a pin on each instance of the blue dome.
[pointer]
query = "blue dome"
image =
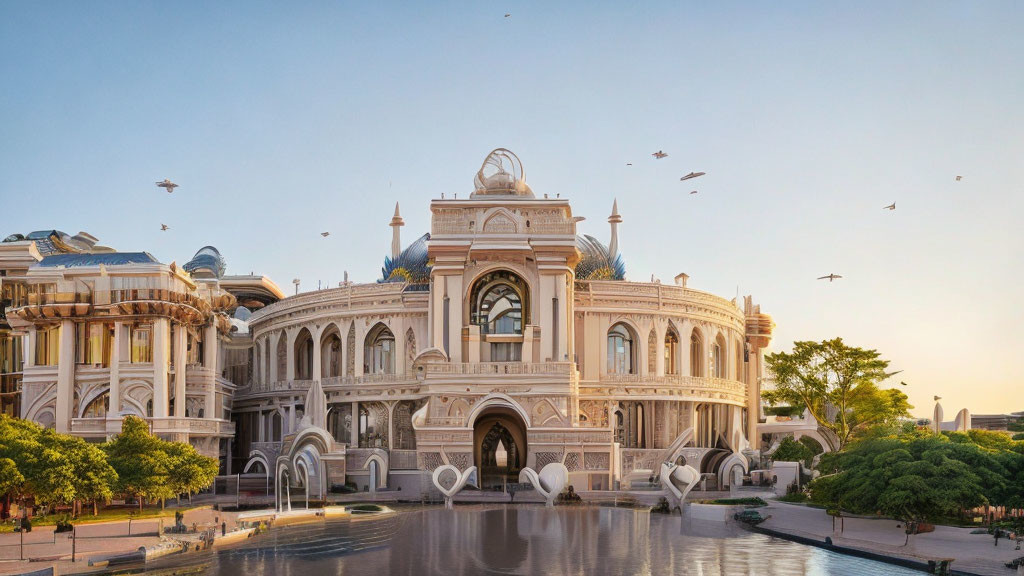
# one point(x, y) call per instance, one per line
point(411, 265)
point(595, 263)
point(206, 263)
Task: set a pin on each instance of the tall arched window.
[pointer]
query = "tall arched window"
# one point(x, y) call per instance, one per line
point(303, 354)
point(718, 358)
point(98, 407)
point(671, 352)
point(621, 354)
point(696, 354)
point(499, 303)
point(379, 351)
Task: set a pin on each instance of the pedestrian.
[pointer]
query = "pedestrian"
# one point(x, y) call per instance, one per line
point(223, 528)
point(997, 532)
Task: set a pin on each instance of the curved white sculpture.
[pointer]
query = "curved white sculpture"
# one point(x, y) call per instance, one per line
point(678, 481)
point(461, 479)
point(552, 479)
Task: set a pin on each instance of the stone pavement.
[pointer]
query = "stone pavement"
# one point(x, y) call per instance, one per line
point(46, 548)
point(974, 553)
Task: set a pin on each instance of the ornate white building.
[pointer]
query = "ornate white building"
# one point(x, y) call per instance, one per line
point(501, 335)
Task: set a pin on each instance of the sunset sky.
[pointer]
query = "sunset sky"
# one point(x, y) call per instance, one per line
point(281, 121)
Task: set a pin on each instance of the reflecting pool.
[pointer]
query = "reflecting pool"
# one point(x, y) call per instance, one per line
point(522, 540)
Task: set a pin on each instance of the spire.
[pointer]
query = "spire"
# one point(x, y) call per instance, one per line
point(396, 238)
point(614, 219)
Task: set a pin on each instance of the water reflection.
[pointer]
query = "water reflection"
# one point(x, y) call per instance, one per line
point(529, 540)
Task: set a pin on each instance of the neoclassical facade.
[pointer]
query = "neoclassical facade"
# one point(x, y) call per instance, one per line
point(501, 339)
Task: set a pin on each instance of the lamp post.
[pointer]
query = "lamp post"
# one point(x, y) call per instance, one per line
point(501, 459)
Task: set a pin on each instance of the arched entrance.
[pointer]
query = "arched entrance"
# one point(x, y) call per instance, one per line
point(495, 430)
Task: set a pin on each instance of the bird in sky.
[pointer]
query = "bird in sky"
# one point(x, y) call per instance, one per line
point(629, 163)
point(164, 227)
point(167, 184)
point(958, 178)
point(830, 277)
point(325, 234)
point(903, 383)
point(659, 155)
point(692, 175)
point(890, 207)
point(507, 15)
point(693, 192)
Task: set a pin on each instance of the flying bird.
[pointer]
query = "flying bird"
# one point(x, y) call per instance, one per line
point(167, 184)
point(507, 15)
point(890, 207)
point(164, 227)
point(659, 155)
point(325, 234)
point(958, 178)
point(830, 277)
point(692, 175)
point(903, 383)
point(629, 163)
point(693, 192)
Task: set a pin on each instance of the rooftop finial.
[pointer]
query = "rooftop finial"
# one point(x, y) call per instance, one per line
point(396, 239)
point(614, 220)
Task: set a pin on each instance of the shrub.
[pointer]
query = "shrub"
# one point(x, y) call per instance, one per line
point(794, 497)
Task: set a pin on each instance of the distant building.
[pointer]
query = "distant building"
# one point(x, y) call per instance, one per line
point(998, 422)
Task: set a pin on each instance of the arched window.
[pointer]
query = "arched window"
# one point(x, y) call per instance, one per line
point(379, 352)
point(696, 354)
point(275, 426)
point(621, 354)
point(98, 407)
point(499, 303)
point(671, 352)
point(303, 354)
point(718, 358)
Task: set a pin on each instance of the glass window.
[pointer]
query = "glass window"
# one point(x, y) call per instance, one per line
point(696, 361)
point(380, 352)
point(497, 303)
point(93, 342)
point(620, 350)
point(48, 346)
point(506, 351)
point(142, 343)
point(98, 407)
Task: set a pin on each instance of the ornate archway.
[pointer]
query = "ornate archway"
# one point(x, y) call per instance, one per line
point(496, 429)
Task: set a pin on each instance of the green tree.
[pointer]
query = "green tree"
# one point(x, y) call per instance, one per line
point(829, 374)
point(791, 450)
point(190, 471)
point(10, 478)
point(918, 476)
point(141, 463)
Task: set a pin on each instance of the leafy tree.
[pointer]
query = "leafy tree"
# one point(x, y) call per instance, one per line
point(918, 476)
point(190, 471)
point(141, 463)
point(838, 384)
point(10, 478)
point(790, 450)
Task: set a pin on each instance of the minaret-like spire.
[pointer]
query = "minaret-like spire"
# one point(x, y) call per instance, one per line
point(396, 235)
point(614, 220)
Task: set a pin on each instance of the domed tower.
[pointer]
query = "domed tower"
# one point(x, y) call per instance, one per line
point(501, 174)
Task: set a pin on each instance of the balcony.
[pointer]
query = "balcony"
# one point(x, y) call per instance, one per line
point(698, 387)
point(565, 369)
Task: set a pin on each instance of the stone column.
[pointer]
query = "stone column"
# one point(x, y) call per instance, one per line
point(317, 357)
point(289, 366)
point(354, 432)
point(272, 358)
point(161, 359)
point(210, 355)
point(180, 363)
point(65, 377)
point(115, 373)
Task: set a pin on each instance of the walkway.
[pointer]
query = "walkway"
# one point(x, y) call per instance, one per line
point(974, 553)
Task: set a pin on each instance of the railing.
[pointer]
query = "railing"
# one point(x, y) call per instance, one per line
point(696, 382)
point(37, 298)
point(445, 420)
point(365, 379)
point(88, 425)
point(500, 368)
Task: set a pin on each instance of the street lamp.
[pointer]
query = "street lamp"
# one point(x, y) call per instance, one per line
point(296, 281)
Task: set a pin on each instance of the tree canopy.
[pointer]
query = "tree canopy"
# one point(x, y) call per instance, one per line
point(920, 476)
point(838, 384)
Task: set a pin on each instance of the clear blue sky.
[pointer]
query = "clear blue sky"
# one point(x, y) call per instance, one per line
point(282, 121)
